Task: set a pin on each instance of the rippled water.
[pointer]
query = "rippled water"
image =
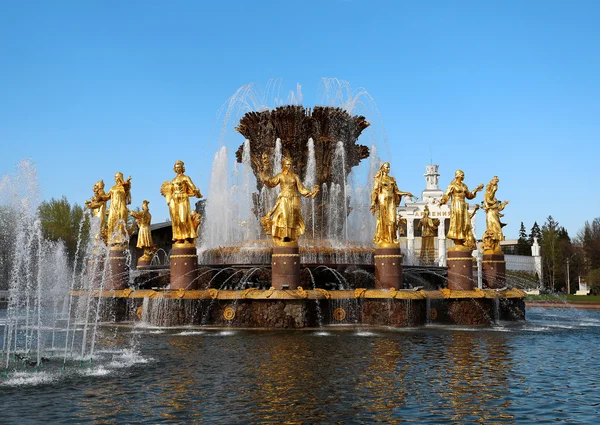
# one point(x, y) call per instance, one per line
point(541, 371)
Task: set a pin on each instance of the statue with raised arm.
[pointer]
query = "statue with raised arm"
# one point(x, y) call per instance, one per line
point(428, 228)
point(177, 193)
point(119, 196)
point(284, 222)
point(385, 199)
point(492, 207)
point(144, 241)
point(98, 206)
point(460, 222)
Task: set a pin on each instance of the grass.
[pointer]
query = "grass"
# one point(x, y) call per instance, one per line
point(563, 297)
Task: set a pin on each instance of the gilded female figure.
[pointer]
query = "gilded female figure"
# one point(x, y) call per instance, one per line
point(98, 206)
point(429, 228)
point(284, 222)
point(460, 222)
point(143, 219)
point(492, 207)
point(385, 199)
point(177, 193)
point(119, 196)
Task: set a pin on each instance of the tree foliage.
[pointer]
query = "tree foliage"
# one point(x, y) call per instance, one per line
point(589, 238)
point(61, 220)
point(559, 255)
point(523, 246)
point(593, 281)
point(535, 233)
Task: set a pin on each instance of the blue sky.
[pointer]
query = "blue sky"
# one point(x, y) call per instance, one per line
point(507, 88)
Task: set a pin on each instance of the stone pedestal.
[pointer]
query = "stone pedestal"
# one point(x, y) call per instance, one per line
point(184, 266)
point(460, 270)
point(117, 274)
point(494, 271)
point(285, 267)
point(388, 268)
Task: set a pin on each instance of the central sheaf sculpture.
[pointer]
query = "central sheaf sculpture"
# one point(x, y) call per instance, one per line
point(184, 222)
point(385, 199)
point(284, 222)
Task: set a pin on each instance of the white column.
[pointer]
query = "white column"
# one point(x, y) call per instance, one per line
point(410, 239)
point(537, 258)
point(442, 243)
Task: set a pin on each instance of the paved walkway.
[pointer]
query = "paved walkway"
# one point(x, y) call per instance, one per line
point(564, 304)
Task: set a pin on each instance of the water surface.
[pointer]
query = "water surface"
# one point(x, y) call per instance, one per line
point(540, 371)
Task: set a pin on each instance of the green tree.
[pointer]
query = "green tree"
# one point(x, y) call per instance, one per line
point(523, 246)
point(593, 281)
point(557, 251)
point(549, 251)
point(589, 238)
point(535, 233)
point(61, 220)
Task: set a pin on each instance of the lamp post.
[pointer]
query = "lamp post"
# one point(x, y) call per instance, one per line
point(568, 275)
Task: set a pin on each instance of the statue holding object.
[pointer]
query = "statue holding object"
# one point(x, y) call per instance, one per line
point(98, 206)
point(385, 199)
point(177, 193)
point(144, 241)
point(492, 207)
point(460, 221)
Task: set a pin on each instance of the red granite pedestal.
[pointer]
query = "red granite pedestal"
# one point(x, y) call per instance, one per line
point(184, 266)
point(494, 271)
point(285, 267)
point(117, 274)
point(388, 268)
point(460, 270)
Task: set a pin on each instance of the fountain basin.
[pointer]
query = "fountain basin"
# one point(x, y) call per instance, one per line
point(255, 308)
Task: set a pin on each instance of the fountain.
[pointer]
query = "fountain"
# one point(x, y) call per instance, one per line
point(269, 258)
point(46, 328)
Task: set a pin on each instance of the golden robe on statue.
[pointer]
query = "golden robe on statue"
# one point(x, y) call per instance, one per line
point(385, 199)
point(460, 222)
point(177, 193)
point(118, 213)
point(284, 222)
point(143, 219)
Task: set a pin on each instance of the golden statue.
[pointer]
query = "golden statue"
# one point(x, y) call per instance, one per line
point(385, 199)
point(143, 218)
point(460, 222)
point(119, 196)
point(98, 206)
point(429, 228)
point(177, 193)
point(471, 242)
point(284, 222)
point(492, 207)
